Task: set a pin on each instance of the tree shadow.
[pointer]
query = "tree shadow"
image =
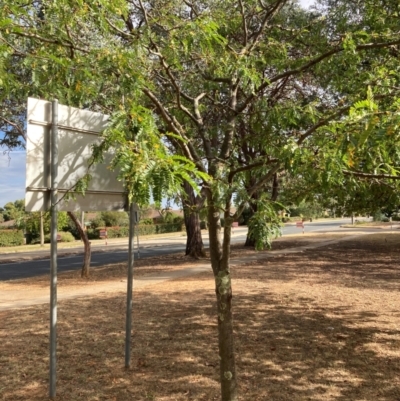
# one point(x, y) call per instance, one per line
point(284, 351)
point(357, 264)
point(306, 329)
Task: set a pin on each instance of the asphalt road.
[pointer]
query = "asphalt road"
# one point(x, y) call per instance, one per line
point(118, 252)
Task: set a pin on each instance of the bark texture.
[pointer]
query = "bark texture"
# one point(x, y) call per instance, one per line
point(191, 206)
point(219, 253)
point(87, 246)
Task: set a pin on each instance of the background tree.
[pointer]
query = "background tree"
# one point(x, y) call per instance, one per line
point(192, 204)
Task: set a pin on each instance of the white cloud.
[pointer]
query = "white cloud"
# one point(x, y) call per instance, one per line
point(12, 177)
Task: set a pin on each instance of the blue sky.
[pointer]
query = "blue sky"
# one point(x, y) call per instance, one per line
point(12, 166)
point(12, 177)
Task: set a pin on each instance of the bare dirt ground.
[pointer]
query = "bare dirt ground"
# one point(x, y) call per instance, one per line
point(321, 324)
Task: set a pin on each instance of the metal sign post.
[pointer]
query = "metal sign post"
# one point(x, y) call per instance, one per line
point(73, 133)
point(53, 247)
point(128, 329)
point(137, 232)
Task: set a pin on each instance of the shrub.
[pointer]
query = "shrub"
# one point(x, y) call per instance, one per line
point(11, 238)
point(146, 229)
point(65, 236)
point(378, 216)
point(97, 222)
point(168, 228)
point(115, 219)
point(146, 222)
point(142, 229)
point(179, 220)
point(117, 232)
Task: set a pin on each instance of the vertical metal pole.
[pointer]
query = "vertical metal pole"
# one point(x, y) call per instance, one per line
point(53, 248)
point(130, 287)
point(137, 233)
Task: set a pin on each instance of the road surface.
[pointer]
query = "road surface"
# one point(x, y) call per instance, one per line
point(38, 263)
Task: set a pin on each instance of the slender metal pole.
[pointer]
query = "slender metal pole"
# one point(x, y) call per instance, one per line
point(53, 248)
point(130, 287)
point(137, 233)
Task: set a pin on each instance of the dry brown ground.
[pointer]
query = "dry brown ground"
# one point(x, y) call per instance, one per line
point(323, 324)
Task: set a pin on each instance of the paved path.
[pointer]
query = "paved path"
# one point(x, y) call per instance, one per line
point(12, 299)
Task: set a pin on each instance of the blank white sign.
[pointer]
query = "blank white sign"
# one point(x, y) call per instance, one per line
point(78, 130)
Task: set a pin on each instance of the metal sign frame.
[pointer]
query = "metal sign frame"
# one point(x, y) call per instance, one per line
point(41, 203)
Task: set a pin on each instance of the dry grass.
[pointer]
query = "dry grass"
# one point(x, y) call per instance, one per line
point(323, 324)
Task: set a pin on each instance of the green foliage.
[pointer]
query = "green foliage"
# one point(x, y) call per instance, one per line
point(14, 211)
point(378, 216)
point(116, 232)
point(143, 161)
point(245, 216)
point(172, 218)
point(11, 238)
point(32, 222)
point(240, 90)
point(265, 224)
point(64, 236)
point(97, 222)
point(307, 210)
point(146, 222)
point(112, 219)
point(150, 79)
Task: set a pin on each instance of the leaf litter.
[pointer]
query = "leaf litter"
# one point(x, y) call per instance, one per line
point(323, 324)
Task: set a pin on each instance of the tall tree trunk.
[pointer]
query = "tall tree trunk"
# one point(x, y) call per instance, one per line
point(88, 252)
point(219, 254)
point(191, 205)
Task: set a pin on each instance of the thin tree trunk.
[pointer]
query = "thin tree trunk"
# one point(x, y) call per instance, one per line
point(219, 254)
point(194, 241)
point(88, 253)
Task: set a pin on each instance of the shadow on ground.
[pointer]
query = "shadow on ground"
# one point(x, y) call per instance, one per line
point(304, 331)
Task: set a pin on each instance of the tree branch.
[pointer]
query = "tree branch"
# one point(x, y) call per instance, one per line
point(321, 123)
point(310, 64)
point(249, 167)
point(253, 189)
point(15, 125)
point(52, 41)
point(369, 175)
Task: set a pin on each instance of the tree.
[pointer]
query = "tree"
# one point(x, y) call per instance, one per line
point(192, 204)
point(32, 222)
point(112, 219)
point(214, 76)
point(14, 211)
point(86, 244)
